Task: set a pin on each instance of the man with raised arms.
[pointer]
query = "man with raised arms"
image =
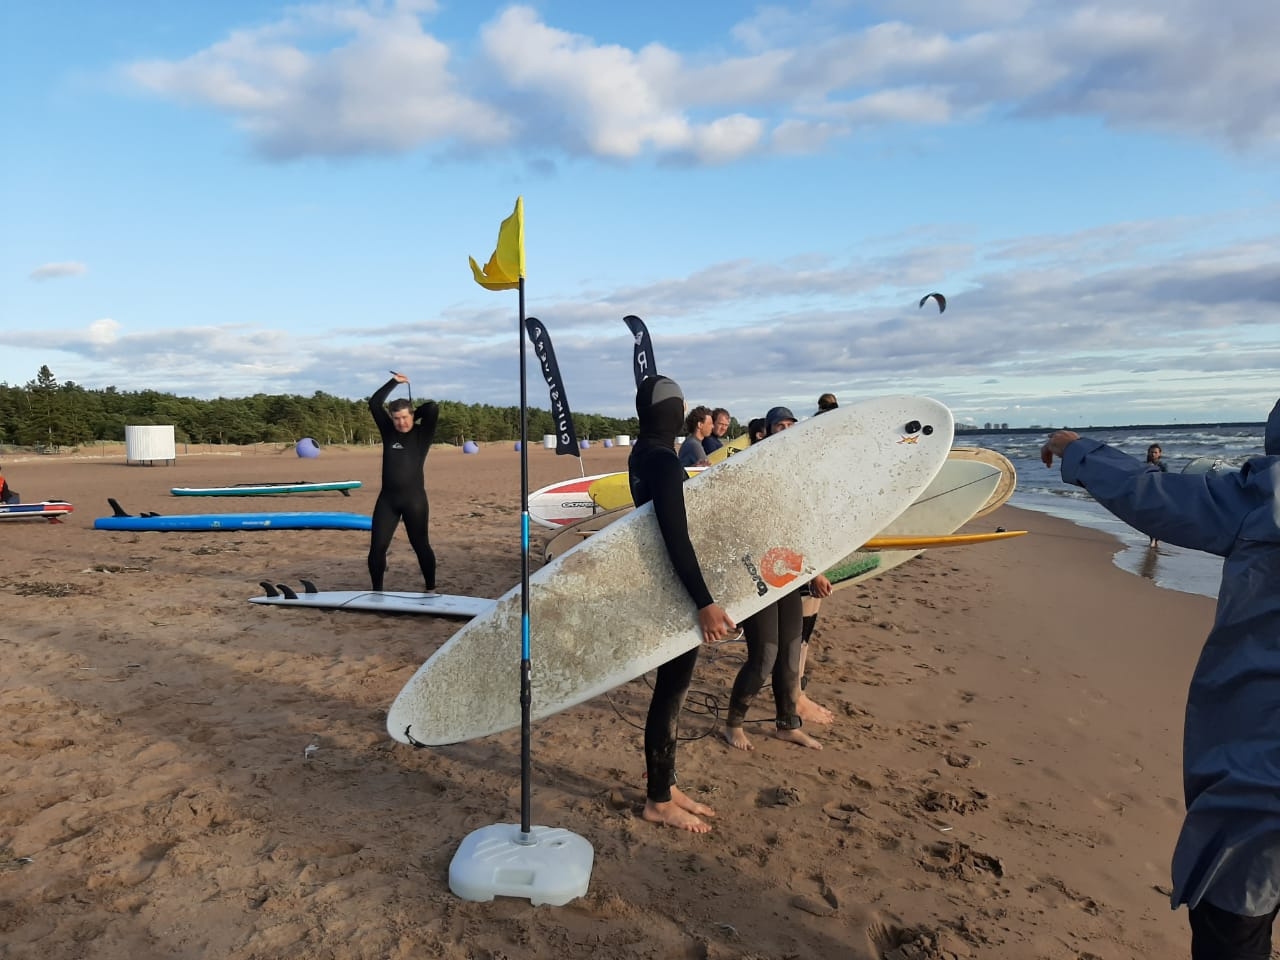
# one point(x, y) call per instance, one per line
point(406, 437)
point(656, 476)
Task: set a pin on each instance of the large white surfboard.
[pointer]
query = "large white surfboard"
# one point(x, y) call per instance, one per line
point(612, 608)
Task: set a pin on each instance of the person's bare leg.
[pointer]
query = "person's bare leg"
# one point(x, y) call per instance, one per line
point(681, 812)
point(810, 712)
point(737, 737)
point(799, 737)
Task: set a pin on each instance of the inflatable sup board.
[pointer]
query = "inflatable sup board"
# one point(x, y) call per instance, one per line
point(381, 601)
point(51, 510)
point(265, 489)
point(612, 608)
point(232, 521)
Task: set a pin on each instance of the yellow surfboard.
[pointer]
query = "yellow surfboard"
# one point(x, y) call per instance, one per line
point(728, 448)
point(614, 490)
point(930, 543)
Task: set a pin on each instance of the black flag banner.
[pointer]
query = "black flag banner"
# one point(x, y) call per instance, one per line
point(566, 439)
point(642, 358)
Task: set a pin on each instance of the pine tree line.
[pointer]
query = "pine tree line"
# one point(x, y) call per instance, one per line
point(48, 414)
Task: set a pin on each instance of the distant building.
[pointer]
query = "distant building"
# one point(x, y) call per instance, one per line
point(1004, 426)
point(987, 425)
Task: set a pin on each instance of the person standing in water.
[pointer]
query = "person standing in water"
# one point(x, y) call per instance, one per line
point(1155, 458)
point(657, 476)
point(406, 437)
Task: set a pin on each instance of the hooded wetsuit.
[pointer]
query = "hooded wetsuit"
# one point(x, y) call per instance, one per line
point(656, 476)
point(403, 493)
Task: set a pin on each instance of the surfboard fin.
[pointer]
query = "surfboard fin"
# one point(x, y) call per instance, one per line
point(308, 586)
point(271, 590)
point(288, 591)
point(345, 492)
point(119, 511)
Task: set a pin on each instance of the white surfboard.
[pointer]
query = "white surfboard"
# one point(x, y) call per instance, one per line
point(955, 496)
point(386, 601)
point(612, 608)
point(563, 502)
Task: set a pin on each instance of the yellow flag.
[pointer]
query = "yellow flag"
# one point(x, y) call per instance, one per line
point(506, 266)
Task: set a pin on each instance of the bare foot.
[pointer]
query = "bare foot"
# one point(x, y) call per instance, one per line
point(811, 712)
point(800, 737)
point(737, 737)
point(680, 812)
point(686, 802)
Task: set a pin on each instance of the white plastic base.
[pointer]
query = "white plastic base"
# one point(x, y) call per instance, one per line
point(553, 867)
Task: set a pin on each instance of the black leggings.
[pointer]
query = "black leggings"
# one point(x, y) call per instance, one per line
point(1219, 935)
point(386, 514)
point(661, 727)
point(773, 648)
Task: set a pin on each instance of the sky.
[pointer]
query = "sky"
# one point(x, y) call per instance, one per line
point(254, 197)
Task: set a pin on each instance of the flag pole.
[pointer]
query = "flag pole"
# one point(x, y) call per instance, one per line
point(526, 667)
point(544, 864)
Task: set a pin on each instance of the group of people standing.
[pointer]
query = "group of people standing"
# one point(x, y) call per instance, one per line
point(1226, 867)
point(776, 636)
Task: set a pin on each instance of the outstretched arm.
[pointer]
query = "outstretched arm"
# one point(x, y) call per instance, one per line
point(378, 402)
point(427, 415)
point(1199, 512)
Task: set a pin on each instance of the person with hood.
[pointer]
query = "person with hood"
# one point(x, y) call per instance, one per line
point(1226, 864)
point(657, 477)
point(773, 652)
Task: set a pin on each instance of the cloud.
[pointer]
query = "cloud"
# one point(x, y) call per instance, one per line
point(52, 271)
point(1101, 336)
point(346, 78)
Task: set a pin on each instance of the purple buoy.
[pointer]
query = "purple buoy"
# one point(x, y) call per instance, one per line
point(608, 442)
point(471, 447)
point(584, 444)
point(307, 448)
point(517, 447)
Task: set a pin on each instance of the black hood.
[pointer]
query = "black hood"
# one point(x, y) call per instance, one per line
point(660, 407)
point(1271, 438)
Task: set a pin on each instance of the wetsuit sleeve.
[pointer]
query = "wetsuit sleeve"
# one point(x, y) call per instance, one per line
point(666, 482)
point(1201, 512)
point(377, 406)
point(427, 415)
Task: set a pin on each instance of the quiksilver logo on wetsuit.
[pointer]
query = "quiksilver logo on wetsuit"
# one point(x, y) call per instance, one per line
point(397, 446)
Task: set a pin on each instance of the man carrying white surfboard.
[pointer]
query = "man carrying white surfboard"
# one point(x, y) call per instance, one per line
point(657, 476)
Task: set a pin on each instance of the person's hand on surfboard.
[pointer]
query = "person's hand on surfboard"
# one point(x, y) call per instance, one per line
point(1057, 444)
point(715, 623)
point(820, 587)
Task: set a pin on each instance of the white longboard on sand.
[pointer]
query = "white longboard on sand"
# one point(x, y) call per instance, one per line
point(380, 601)
point(612, 608)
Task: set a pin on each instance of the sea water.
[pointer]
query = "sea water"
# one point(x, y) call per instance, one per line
point(1041, 488)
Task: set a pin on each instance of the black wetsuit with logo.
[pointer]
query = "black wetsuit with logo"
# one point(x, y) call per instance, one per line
point(656, 476)
point(404, 492)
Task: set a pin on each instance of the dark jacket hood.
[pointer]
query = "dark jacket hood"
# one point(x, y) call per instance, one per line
point(660, 409)
point(1271, 438)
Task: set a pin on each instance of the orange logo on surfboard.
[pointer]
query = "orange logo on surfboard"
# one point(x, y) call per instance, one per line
point(780, 565)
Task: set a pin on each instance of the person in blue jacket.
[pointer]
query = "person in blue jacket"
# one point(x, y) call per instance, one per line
point(1226, 865)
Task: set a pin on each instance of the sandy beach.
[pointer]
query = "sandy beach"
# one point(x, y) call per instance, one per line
point(1002, 779)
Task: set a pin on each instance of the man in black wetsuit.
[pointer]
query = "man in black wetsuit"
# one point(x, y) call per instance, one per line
point(406, 438)
point(656, 475)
